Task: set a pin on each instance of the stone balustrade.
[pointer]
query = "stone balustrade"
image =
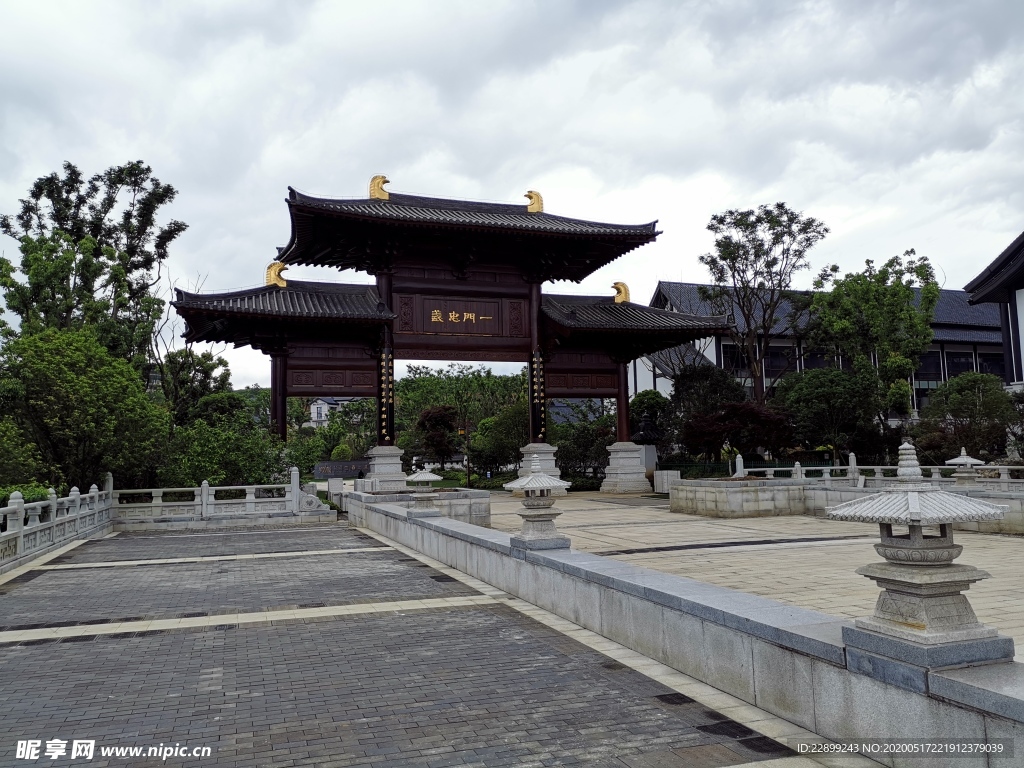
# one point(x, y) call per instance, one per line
point(32, 529)
point(35, 528)
point(139, 509)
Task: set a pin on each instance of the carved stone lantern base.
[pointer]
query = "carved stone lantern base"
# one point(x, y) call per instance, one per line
point(539, 530)
point(924, 604)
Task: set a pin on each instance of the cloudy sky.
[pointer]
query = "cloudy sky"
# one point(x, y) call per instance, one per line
point(900, 124)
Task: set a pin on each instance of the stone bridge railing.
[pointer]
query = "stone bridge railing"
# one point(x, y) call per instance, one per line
point(28, 530)
point(33, 529)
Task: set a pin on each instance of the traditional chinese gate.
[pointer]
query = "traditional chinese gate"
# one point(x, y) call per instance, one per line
point(455, 280)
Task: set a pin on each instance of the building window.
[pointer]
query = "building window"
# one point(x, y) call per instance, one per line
point(777, 361)
point(813, 360)
point(734, 361)
point(319, 413)
point(991, 362)
point(959, 362)
point(930, 368)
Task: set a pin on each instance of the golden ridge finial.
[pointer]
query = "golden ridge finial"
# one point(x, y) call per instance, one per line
point(621, 292)
point(274, 270)
point(377, 191)
point(536, 202)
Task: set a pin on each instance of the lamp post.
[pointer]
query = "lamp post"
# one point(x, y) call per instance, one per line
point(467, 436)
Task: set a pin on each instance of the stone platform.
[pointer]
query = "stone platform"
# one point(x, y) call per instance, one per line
point(328, 646)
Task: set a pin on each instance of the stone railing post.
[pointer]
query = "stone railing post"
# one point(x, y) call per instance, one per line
point(74, 505)
point(204, 498)
point(769, 473)
point(295, 490)
point(93, 498)
point(798, 471)
point(16, 520)
point(35, 510)
point(250, 498)
point(108, 482)
point(157, 504)
point(741, 471)
point(1004, 478)
point(854, 472)
point(54, 507)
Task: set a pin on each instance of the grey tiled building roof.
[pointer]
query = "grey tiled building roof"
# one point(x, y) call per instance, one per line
point(300, 299)
point(444, 212)
point(955, 320)
point(601, 313)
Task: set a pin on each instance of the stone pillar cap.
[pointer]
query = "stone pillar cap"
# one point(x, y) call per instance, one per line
point(963, 460)
point(423, 477)
point(537, 481)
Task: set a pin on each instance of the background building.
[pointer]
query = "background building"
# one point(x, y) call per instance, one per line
point(968, 337)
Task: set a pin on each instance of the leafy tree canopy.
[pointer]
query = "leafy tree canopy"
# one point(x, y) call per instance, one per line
point(970, 411)
point(85, 411)
point(757, 253)
point(877, 314)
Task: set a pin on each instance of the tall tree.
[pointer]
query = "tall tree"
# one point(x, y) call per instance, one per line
point(85, 411)
point(970, 411)
point(757, 253)
point(89, 254)
point(879, 318)
point(437, 427)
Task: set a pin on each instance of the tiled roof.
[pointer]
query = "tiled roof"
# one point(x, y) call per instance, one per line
point(1000, 278)
point(955, 319)
point(601, 313)
point(300, 299)
point(442, 212)
point(668, 361)
point(927, 506)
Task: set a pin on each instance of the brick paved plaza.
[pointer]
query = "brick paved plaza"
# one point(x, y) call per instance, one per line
point(804, 561)
point(325, 646)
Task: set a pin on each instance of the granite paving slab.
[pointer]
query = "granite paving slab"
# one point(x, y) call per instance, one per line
point(483, 686)
point(63, 597)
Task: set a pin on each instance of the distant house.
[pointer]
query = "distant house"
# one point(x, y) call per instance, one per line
point(320, 409)
point(967, 338)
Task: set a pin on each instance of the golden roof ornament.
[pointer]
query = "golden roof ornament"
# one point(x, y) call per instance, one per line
point(273, 277)
point(621, 292)
point(377, 191)
point(536, 204)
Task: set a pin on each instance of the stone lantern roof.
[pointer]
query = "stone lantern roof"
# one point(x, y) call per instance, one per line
point(963, 460)
point(423, 477)
point(536, 481)
point(915, 503)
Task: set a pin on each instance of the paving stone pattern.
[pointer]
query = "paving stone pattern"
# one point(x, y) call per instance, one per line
point(154, 546)
point(482, 686)
point(449, 686)
point(227, 586)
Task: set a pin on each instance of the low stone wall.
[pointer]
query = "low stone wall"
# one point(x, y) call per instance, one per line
point(786, 660)
point(282, 504)
point(464, 504)
point(32, 530)
point(760, 498)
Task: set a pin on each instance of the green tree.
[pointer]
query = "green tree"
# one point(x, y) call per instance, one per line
point(187, 377)
point(354, 425)
point(970, 411)
point(652, 410)
point(89, 249)
point(474, 393)
point(757, 253)
point(85, 411)
point(497, 440)
point(829, 406)
point(224, 444)
point(437, 427)
point(879, 317)
point(745, 426)
point(19, 460)
point(583, 438)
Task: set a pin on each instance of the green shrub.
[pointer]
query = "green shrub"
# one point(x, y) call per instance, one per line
point(584, 482)
point(30, 491)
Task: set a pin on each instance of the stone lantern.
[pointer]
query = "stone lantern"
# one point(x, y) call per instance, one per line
point(539, 530)
point(965, 474)
point(921, 619)
point(423, 498)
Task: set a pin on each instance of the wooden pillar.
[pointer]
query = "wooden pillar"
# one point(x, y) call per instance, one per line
point(538, 404)
point(279, 393)
point(386, 391)
point(622, 405)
